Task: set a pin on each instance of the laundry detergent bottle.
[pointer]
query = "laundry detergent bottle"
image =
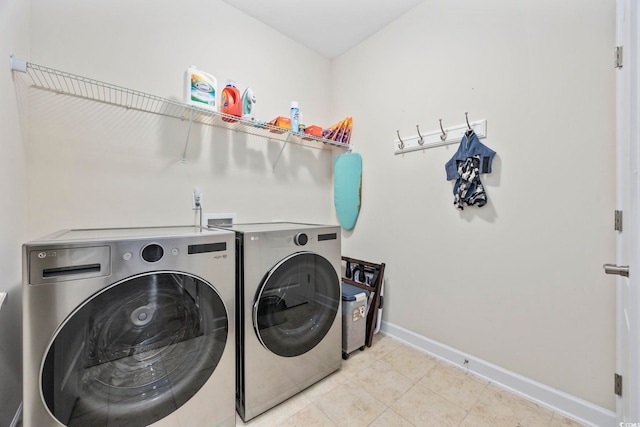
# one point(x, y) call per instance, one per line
point(200, 89)
point(230, 102)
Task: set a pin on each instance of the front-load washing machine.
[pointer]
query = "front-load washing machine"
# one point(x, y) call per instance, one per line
point(289, 318)
point(129, 327)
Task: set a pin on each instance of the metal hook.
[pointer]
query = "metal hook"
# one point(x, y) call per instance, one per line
point(466, 117)
point(401, 145)
point(421, 140)
point(444, 134)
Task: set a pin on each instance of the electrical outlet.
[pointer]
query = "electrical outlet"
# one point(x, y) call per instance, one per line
point(197, 199)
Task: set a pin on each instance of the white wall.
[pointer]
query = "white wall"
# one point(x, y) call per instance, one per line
point(93, 165)
point(14, 38)
point(519, 282)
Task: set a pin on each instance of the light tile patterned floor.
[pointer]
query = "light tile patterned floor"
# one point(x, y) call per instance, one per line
point(391, 384)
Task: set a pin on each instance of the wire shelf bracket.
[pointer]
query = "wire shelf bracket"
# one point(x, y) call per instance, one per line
point(281, 150)
point(186, 143)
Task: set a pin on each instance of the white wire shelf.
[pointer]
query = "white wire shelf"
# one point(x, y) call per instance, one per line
point(61, 82)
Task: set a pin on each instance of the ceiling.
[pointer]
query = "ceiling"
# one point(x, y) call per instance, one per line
point(329, 27)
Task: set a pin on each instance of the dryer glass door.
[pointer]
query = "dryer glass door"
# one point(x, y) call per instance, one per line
point(296, 304)
point(135, 352)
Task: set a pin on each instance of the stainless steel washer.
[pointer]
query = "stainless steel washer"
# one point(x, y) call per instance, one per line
point(289, 317)
point(129, 327)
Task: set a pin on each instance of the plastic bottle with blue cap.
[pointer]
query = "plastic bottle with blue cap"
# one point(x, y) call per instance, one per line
point(295, 116)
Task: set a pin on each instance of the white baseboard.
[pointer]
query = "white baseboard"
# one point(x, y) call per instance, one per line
point(549, 397)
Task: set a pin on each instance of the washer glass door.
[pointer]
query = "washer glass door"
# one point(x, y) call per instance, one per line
point(135, 352)
point(296, 304)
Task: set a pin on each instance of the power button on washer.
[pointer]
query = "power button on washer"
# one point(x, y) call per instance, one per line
point(300, 239)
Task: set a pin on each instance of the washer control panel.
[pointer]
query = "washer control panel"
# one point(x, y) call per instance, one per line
point(301, 239)
point(153, 252)
point(56, 264)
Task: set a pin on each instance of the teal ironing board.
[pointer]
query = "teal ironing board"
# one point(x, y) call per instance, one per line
point(347, 187)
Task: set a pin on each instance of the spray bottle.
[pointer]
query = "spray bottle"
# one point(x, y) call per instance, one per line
point(295, 116)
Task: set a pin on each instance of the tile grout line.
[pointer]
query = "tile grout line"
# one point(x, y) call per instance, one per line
point(474, 402)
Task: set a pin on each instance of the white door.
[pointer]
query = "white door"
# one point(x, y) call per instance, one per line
point(627, 265)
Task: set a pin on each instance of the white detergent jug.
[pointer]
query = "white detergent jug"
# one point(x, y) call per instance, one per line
point(200, 89)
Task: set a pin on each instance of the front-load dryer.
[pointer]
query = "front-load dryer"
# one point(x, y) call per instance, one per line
point(129, 327)
point(289, 317)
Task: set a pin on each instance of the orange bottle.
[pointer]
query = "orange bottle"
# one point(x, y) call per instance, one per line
point(230, 102)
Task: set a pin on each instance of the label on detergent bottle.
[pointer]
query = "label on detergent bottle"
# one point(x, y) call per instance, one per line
point(224, 100)
point(201, 91)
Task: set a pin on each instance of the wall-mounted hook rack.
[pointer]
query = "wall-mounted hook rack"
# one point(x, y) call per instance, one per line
point(433, 139)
